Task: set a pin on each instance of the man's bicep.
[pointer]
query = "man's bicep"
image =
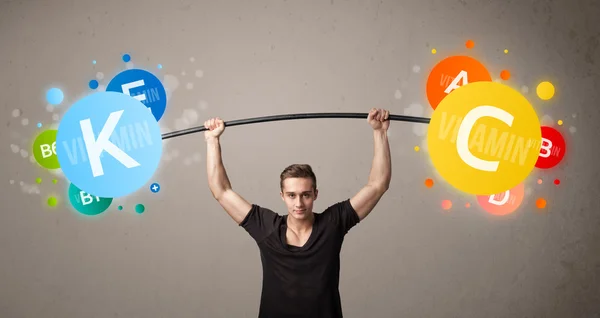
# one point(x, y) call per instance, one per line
point(236, 206)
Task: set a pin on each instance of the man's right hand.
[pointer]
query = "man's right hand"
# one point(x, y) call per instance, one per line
point(215, 127)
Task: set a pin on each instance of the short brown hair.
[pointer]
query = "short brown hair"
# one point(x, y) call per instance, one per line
point(298, 171)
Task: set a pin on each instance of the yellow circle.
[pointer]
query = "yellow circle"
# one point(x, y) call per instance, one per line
point(545, 90)
point(471, 146)
point(505, 51)
point(417, 148)
point(560, 122)
point(433, 51)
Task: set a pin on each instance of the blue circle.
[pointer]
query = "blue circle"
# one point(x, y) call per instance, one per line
point(159, 66)
point(144, 86)
point(128, 157)
point(54, 96)
point(94, 62)
point(93, 84)
point(155, 187)
point(126, 58)
point(39, 125)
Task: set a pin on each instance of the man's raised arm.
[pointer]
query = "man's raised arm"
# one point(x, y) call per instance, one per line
point(381, 169)
point(218, 182)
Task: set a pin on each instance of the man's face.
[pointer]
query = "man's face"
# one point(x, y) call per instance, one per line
point(299, 196)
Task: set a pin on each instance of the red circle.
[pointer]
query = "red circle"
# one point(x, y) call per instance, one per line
point(556, 181)
point(552, 150)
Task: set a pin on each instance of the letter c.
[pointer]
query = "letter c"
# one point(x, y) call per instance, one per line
point(462, 139)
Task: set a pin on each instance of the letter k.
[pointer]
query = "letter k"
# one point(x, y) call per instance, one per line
point(95, 147)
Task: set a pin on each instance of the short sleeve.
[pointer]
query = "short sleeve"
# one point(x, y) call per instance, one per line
point(260, 222)
point(342, 215)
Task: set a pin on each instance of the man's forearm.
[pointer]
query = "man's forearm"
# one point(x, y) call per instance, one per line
point(381, 169)
point(218, 181)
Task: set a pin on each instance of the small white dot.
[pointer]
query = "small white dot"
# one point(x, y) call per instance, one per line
point(101, 88)
point(572, 129)
point(524, 89)
point(55, 117)
point(416, 68)
point(574, 115)
point(99, 76)
point(14, 148)
point(398, 94)
point(203, 105)
point(12, 181)
point(49, 108)
point(32, 159)
point(182, 73)
point(192, 59)
point(21, 183)
point(16, 113)
point(199, 73)
point(24, 153)
point(129, 65)
point(25, 121)
point(189, 86)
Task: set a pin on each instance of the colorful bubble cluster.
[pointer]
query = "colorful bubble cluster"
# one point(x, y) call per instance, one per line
point(454, 82)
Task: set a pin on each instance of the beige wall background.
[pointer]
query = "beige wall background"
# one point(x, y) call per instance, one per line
point(184, 257)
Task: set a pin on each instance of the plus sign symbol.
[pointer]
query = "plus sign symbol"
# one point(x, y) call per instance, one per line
point(155, 187)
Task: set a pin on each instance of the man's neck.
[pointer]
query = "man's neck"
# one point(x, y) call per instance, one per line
point(301, 226)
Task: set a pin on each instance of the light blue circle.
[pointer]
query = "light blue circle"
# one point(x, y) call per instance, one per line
point(152, 91)
point(94, 62)
point(136, 134)
point(39, 125)
point(54, 96)
point(155, 187)
point(93, 84)
point(159, 66)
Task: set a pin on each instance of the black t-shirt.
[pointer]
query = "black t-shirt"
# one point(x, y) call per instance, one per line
point(301, 281)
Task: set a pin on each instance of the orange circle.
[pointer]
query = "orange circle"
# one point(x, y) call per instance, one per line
point(540, 203)
point(446, 71)
point(505, 75)
point(468, 205)
point(470, 44)
point(429, 183)
point(539, 181)
point(503, 203)
point(446, 204)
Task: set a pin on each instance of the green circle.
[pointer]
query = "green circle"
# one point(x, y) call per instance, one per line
point(52, 201)
point(44, 149)
point(120, 208)
point(86, 203)
point(139, 208)
point(38, 180)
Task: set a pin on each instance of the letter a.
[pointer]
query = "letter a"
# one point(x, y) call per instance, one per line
point(95, 147)
point(454, 85)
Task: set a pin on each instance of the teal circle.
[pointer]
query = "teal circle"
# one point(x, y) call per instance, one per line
point(87, 204)
point(139, 208)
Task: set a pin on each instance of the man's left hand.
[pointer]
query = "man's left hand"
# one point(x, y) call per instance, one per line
point(378, 119)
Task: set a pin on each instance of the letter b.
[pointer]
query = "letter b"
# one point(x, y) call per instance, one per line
point(546, 145)
point(86, 198)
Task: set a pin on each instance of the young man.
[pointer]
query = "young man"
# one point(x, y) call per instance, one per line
point(300, 251)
